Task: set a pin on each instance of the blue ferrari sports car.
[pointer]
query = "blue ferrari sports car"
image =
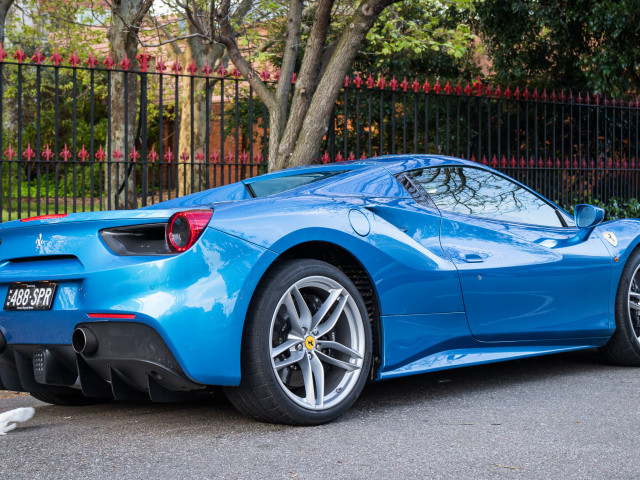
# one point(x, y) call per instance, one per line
point(291, 290)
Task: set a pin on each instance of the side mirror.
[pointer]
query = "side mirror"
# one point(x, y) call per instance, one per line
point(588, 216)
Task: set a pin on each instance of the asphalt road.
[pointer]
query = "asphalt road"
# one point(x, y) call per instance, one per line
point(559, 417)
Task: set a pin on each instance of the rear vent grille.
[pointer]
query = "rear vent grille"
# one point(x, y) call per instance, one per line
point(415, 189)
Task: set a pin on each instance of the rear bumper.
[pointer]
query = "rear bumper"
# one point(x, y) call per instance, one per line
point(132, 362)
point(196, 302)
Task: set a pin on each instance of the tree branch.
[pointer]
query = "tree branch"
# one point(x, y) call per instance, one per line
point(307, 80)
point(316, 120)
point(228, 40)
point(294, 20)
point(170, 39)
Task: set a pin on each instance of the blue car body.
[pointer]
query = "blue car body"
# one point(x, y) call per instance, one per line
point(449, 289)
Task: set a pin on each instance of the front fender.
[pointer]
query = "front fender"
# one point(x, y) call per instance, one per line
point(626, 234)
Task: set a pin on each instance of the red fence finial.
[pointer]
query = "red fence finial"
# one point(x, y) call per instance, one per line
point(38, 57)
point(74, 60)
point(169, 156)
point(160, 65)
point(3, 53)
point(20, 55)
point(117, 154)
point(66, 153)
point(125, 63)
point(10, 152)
point(370, 81)
point(143, 60)
point(100, 154)
point(29, 154)
point(83, 154)
point(47, 154)
point(357, 81)
point(152, 155)
point(92, 61)
point(108, 62)
point(134, 155)
point(192, 69)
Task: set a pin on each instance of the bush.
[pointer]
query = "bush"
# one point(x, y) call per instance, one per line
point(615, 208)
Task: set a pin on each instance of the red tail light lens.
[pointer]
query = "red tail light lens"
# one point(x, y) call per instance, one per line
point(184, 228)
point(44, 217)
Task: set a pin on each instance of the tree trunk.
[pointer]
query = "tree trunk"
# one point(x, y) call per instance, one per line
point(5, 5)
point(309, 133)
point(192, 175)
point(123, 40)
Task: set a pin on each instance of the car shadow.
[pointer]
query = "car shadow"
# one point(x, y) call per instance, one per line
point(217, 416)
point(458, 382)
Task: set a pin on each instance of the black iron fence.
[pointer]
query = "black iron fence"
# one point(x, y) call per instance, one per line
point(67, 145)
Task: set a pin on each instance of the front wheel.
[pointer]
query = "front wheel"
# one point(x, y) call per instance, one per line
point(624, 346)
point(306, 348)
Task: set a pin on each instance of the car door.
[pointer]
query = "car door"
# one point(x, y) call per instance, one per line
point(524, 273)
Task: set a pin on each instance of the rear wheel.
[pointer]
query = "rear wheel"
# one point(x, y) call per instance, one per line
point(67, 400)
point(624, 346)
point(306, 349)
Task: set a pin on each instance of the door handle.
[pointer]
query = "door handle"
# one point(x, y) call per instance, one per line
point(473, 258)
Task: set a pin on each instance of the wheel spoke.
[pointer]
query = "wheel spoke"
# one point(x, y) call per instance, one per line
point(305, 314)
point(327, 326)
point(340, 348)
point(318, 376)
point(338, 363)
point(634, 306)
point(635, 295)
point(325, 307)
point(295, 357)
point(294, 318)
point(283, 347)
point(307, 376)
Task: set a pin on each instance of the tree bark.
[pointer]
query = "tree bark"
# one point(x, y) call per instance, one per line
point(5, 5)
point(316, 119)
point(123, 40)
point(192, 177)
point(306, 84)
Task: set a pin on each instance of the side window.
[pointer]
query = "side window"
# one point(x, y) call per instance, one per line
point(477, 192)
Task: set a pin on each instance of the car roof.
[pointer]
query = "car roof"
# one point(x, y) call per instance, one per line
point(392, 163)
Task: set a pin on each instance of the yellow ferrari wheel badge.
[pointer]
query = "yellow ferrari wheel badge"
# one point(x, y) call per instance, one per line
point(310, 342)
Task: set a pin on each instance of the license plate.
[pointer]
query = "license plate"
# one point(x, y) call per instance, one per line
point(30, 296)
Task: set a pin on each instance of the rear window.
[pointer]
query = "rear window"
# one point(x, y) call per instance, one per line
point(271, 186)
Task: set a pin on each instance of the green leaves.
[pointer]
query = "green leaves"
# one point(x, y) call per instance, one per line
point(585, 44)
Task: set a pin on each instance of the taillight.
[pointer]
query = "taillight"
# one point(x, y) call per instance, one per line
point(185, 228)
point(44, 217)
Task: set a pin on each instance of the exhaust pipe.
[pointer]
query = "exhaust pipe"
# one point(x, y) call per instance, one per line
point(84, 341)
point(3, 343)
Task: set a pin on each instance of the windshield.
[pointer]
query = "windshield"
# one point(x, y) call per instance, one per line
point(271, 186)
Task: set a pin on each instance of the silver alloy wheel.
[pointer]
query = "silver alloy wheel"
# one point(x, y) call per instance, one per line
point(634, 302)
point(317, 342)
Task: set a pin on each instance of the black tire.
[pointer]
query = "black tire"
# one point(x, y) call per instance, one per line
point(262, 393)
point(67, 400)
point(624, 346)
